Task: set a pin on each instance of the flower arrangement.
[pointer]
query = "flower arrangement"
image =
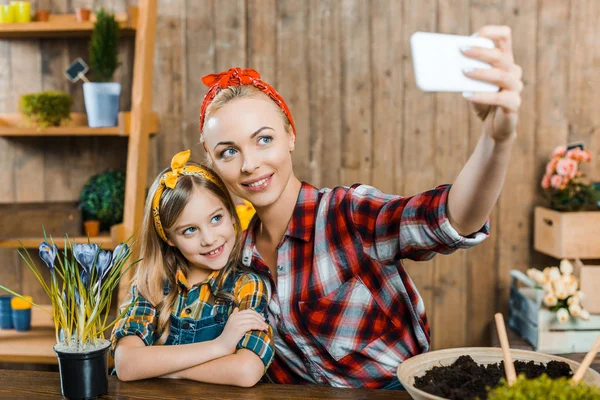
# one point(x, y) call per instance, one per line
point(565, 184)
point(560, 291)
point(82, 281)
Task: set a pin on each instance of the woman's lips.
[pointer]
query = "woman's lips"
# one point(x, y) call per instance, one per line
point(258, 185)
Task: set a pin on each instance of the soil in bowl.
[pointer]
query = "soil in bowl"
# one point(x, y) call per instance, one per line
point(465, 379)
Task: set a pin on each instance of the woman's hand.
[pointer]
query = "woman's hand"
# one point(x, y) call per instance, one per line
point(237, 325)
point(498, 110)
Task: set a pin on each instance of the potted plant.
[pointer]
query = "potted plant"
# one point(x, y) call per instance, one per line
point(82, 281)
point(102, 97)
point(102, 200)
point(47, 108)
point(568, 229)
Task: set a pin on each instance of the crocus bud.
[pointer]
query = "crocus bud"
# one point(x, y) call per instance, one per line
point(562, 315)
point(575, 310)
point(584, 315)
point(566, 267)
point(550, 300)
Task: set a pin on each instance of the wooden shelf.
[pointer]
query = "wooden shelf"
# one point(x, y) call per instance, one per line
point(33, 242)
point(34, 346)
point(15, 124)
point(64, 26)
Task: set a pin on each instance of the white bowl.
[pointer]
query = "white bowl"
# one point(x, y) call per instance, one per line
point(418, 365)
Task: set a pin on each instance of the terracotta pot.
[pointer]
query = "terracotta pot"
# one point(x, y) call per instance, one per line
point(83, 14)
point(42, 15)
point(92, 228)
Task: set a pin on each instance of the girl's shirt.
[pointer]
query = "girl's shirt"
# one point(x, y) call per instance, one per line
point(346, 312)
point(197, 316)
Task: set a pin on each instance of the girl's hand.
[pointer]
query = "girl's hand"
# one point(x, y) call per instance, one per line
point(237, 325)
point(499, 110)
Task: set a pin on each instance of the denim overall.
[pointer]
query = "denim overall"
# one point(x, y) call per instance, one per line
point(190, 330)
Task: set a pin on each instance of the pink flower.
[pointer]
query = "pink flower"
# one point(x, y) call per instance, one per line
point(550, 167)
point(546, 181)
point(587, 156)
point(556, 181)
point(567, 167)
point(559, 151)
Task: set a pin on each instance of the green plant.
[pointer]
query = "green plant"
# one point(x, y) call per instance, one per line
point(82, 281)
point(103, 198)
point(544, 388)
point(104, 46)
point(47, 108)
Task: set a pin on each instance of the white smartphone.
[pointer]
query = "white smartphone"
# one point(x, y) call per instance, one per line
point(438, 62)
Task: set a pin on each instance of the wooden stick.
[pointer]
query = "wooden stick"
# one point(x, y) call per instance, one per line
point(509, 367)
point(587, 361)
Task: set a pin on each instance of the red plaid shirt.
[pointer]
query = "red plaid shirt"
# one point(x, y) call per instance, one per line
point(346, 312)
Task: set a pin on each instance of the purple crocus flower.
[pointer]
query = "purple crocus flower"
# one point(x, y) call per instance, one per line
point(85, 254)
point(48, 254)
point(103, 263)
point(120, 252)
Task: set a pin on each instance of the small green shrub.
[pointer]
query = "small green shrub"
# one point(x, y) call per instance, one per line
point(544, 388)
point(46, 108)
point(103, 198)
point(104, 46)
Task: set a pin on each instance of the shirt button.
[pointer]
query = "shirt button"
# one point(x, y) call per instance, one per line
point(185, 325)
point(188, 310)
point(280, 268)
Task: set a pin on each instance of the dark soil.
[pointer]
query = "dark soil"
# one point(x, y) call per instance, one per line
point(465, 379)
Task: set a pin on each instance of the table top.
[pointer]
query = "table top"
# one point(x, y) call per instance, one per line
point(46, 385)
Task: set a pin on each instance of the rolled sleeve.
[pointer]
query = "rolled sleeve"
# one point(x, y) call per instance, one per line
point(251, 293)
point(139, 320)
point(393, 227)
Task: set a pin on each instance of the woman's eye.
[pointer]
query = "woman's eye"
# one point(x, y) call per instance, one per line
point(189, 231)
point(265, 139)
point(216, 219)
point(228, 153)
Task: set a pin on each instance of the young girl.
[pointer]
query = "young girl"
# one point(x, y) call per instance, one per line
point(190, 290)
point(344, 310)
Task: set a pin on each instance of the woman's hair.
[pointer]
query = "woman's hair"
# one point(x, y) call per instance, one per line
point(160, 261)
point(233, 93)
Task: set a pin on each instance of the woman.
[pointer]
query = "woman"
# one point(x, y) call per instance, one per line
point(345, 311)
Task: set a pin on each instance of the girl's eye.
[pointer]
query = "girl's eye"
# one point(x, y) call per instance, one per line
point(189, 231)
point(216, 219)
point(228, 153)
point(265, 139)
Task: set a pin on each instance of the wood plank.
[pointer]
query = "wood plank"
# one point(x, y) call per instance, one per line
point(357, 128)
point(418, 135)
point(262, 38)
point(199, 61)
point(56, 218)
point(388, 78)
point(292, 81)
point(584, 88)
point(325, 133)
point(230, 34)
point(449, 317)
point(7, 151)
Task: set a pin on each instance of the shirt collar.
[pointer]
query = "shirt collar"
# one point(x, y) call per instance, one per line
point(210, 280)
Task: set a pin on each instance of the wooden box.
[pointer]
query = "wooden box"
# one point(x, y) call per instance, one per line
point(589, 284)
point(533, 322)
point(567, 234)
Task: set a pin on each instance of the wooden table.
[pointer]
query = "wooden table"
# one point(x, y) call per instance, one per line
point(516, 342)
point(46, 385)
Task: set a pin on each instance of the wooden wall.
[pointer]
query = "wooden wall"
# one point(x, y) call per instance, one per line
point(344, 67)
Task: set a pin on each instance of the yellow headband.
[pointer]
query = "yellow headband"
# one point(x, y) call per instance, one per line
point(169, 180)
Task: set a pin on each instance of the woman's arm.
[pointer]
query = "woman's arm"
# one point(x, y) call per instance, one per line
point(244, 368)
point(134, 360)
point(477, 187)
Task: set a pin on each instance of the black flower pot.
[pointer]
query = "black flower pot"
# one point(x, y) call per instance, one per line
point(83, 375)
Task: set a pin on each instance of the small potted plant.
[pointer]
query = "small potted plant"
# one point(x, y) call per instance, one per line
point(47, 108)
point(82, 281)
point(102, 201)
point(102, 97)
point(569, 227)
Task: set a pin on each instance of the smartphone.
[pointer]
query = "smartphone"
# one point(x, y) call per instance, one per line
point(438, 62)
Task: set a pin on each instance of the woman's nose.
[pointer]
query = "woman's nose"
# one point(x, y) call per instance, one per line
point(250, 163)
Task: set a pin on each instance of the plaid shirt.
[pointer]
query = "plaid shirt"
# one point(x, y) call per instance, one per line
point(346, 312)
point(198, 302)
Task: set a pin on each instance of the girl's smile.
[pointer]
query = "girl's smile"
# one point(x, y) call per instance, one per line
point(215, 253)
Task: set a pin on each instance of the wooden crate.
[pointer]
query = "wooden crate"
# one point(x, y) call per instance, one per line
point(567, 234)
point(589, 278)
point(539, 326)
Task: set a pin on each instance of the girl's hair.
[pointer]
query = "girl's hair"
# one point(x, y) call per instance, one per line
point(233, 93)
point(160, 261)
